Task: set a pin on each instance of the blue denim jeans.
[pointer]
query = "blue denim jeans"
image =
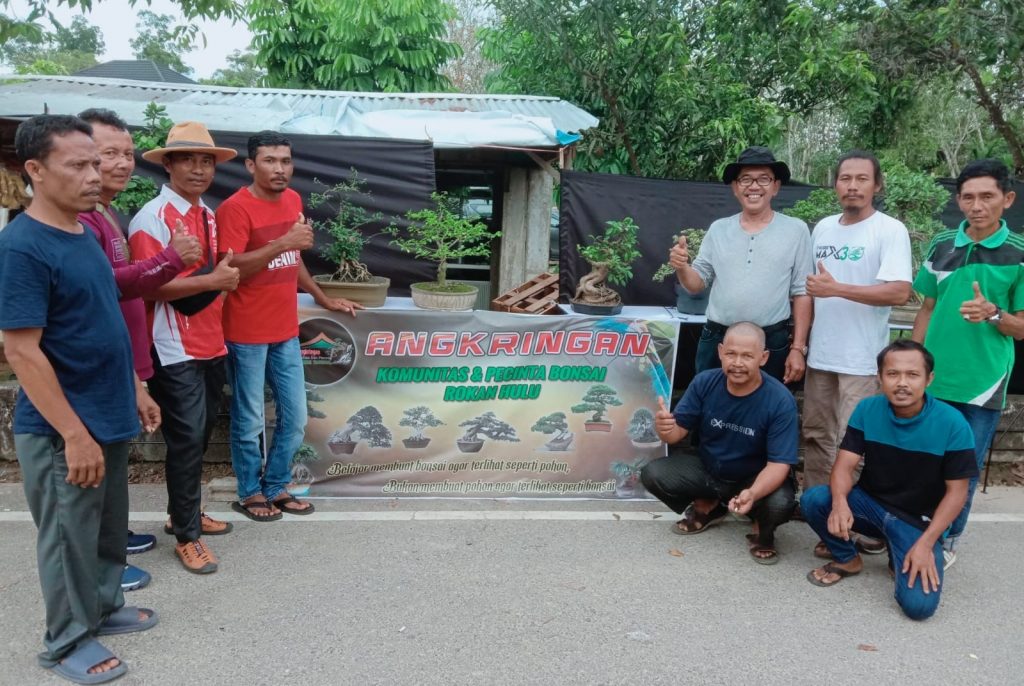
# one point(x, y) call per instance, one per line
point(279, 366)
point(983, 424)
point(871, 519)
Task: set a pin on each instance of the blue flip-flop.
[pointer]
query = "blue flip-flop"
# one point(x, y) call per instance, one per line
point(126, 621)
point(86, 655)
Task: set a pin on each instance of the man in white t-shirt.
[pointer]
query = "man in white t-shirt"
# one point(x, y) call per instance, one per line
point(863, 267)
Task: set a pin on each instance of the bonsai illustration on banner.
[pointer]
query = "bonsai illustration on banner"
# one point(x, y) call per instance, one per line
point(480, 404)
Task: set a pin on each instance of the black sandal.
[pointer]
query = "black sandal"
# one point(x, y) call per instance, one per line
point(247, 510)
point(288, 499)
point(694, 522)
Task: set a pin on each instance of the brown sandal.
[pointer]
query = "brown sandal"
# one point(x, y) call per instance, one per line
point(829, 568)
point(694, 522)
point(754, 541)
point(821, 551)
point(254, 510)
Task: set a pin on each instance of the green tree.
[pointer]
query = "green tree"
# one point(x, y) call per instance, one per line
point(597, 399)
point(66, 50)
point(980, 40)
point(243, 71)
point(158, 39)
point(42, 10)
point(356, 45)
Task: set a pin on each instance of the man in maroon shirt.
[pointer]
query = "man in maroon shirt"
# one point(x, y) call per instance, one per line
point(117, 161)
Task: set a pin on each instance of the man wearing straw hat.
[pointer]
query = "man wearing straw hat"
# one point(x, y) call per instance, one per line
point(188, 341)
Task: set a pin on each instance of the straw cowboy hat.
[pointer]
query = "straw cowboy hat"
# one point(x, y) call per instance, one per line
point(189, 136)
point(756, 156)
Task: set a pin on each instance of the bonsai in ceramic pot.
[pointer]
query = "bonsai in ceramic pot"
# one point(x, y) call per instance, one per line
point(641, 429)
point(440, 234)
point(302, 475)
point(485, 425)
point(610, 256)
point(352, 280)
point(365, 425)
point(418, 418)
point(627, 478)
point(686, 302)
point(554, 425)
point(596, 400)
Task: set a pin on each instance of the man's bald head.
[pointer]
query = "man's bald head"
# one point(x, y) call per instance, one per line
point(746, 330)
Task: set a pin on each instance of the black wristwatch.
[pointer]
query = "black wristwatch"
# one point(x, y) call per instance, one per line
point(997, 317)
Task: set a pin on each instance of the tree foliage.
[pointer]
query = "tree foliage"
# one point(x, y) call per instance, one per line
point(243, 71)
point(64, 50)
point(641, 426)
point(158, 39)
point(354, 45)
point(365, 425)
point(615, 247)
point(347, 200)
point(553, 423)
point(419, 418)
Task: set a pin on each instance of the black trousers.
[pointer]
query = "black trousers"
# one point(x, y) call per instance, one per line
point(679, 479)
point(189, 395)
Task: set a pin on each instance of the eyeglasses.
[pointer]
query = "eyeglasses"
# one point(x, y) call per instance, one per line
point(762, 181)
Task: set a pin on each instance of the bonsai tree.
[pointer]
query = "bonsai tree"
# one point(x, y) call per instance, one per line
point(627, 476)
point(641, 427)
point(301, 473)
point(490, 426)
point(554, 425)
point(694, 237)
point(611, 256)
point(440, 234)
point(418, 418)
point(365, 425)
point(345, 227)
point(313, 397)
point(596, 400)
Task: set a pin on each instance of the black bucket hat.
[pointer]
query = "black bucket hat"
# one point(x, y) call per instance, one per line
point(756, 156)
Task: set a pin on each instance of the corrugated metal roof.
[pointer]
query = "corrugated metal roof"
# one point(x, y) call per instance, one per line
point(134, 70)
point(250, 109)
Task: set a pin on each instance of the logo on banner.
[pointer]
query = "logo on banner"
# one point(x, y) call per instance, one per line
point(328, 351)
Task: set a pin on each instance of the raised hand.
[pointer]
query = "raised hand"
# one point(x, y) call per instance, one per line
point(664, 422)
point(822, 284)
point(977, 309)
point(224, 277)
point(186, 245)
point(679, 255)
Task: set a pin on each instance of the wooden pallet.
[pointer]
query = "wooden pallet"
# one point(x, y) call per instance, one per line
point(539, 295)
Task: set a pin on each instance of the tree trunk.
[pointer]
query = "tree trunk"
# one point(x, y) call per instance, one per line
point(995, 113)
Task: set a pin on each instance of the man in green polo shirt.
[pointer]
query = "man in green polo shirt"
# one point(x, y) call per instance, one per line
point(973, 287)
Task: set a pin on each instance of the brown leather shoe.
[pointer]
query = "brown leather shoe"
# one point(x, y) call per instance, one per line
point(210, 526)
point(196, 557)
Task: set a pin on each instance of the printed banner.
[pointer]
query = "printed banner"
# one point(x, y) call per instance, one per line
point(480, 404)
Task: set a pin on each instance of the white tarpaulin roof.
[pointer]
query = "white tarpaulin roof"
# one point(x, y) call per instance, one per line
point(449, 120)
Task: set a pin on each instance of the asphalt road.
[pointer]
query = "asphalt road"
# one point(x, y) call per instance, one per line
point(531, 592)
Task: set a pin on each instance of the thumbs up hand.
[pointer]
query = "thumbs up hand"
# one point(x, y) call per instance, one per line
point(822, 284)
point(679, 255)
point(977, 309)
point(300, 236)
point(665, 422)
point(186, 245)
point(225, 277)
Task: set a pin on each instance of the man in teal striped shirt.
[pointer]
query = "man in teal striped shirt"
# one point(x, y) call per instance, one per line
point(973, 287)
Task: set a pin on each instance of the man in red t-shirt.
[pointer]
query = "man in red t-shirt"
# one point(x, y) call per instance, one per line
point(185, 323)
point(264, 226)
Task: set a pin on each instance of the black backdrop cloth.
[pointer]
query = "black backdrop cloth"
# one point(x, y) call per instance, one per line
point(399, 176)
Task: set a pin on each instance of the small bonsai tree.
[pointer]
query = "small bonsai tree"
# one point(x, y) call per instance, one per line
point(596, 400)
point(365, 425)
point(694, 237)
point(419, 418)
point(306, 454)
point(641, 427)
point(345, 227)
point(554, 425)
point(627, 476)
point(490, 426)
point(313, 397)
point(440, 234)
point(611, 256)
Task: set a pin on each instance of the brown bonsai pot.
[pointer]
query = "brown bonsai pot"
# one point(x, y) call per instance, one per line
point(470, 446)
point(372, 293)
point(415, 443)
point(597, 426)
point(342, 447)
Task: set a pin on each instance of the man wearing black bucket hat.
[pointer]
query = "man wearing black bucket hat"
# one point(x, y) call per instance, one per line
point(188, 339)
point(755, 264)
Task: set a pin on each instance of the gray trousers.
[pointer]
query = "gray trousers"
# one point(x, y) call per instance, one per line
point(80, 546)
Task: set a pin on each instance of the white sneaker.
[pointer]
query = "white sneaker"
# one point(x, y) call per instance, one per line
point(949, 557)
